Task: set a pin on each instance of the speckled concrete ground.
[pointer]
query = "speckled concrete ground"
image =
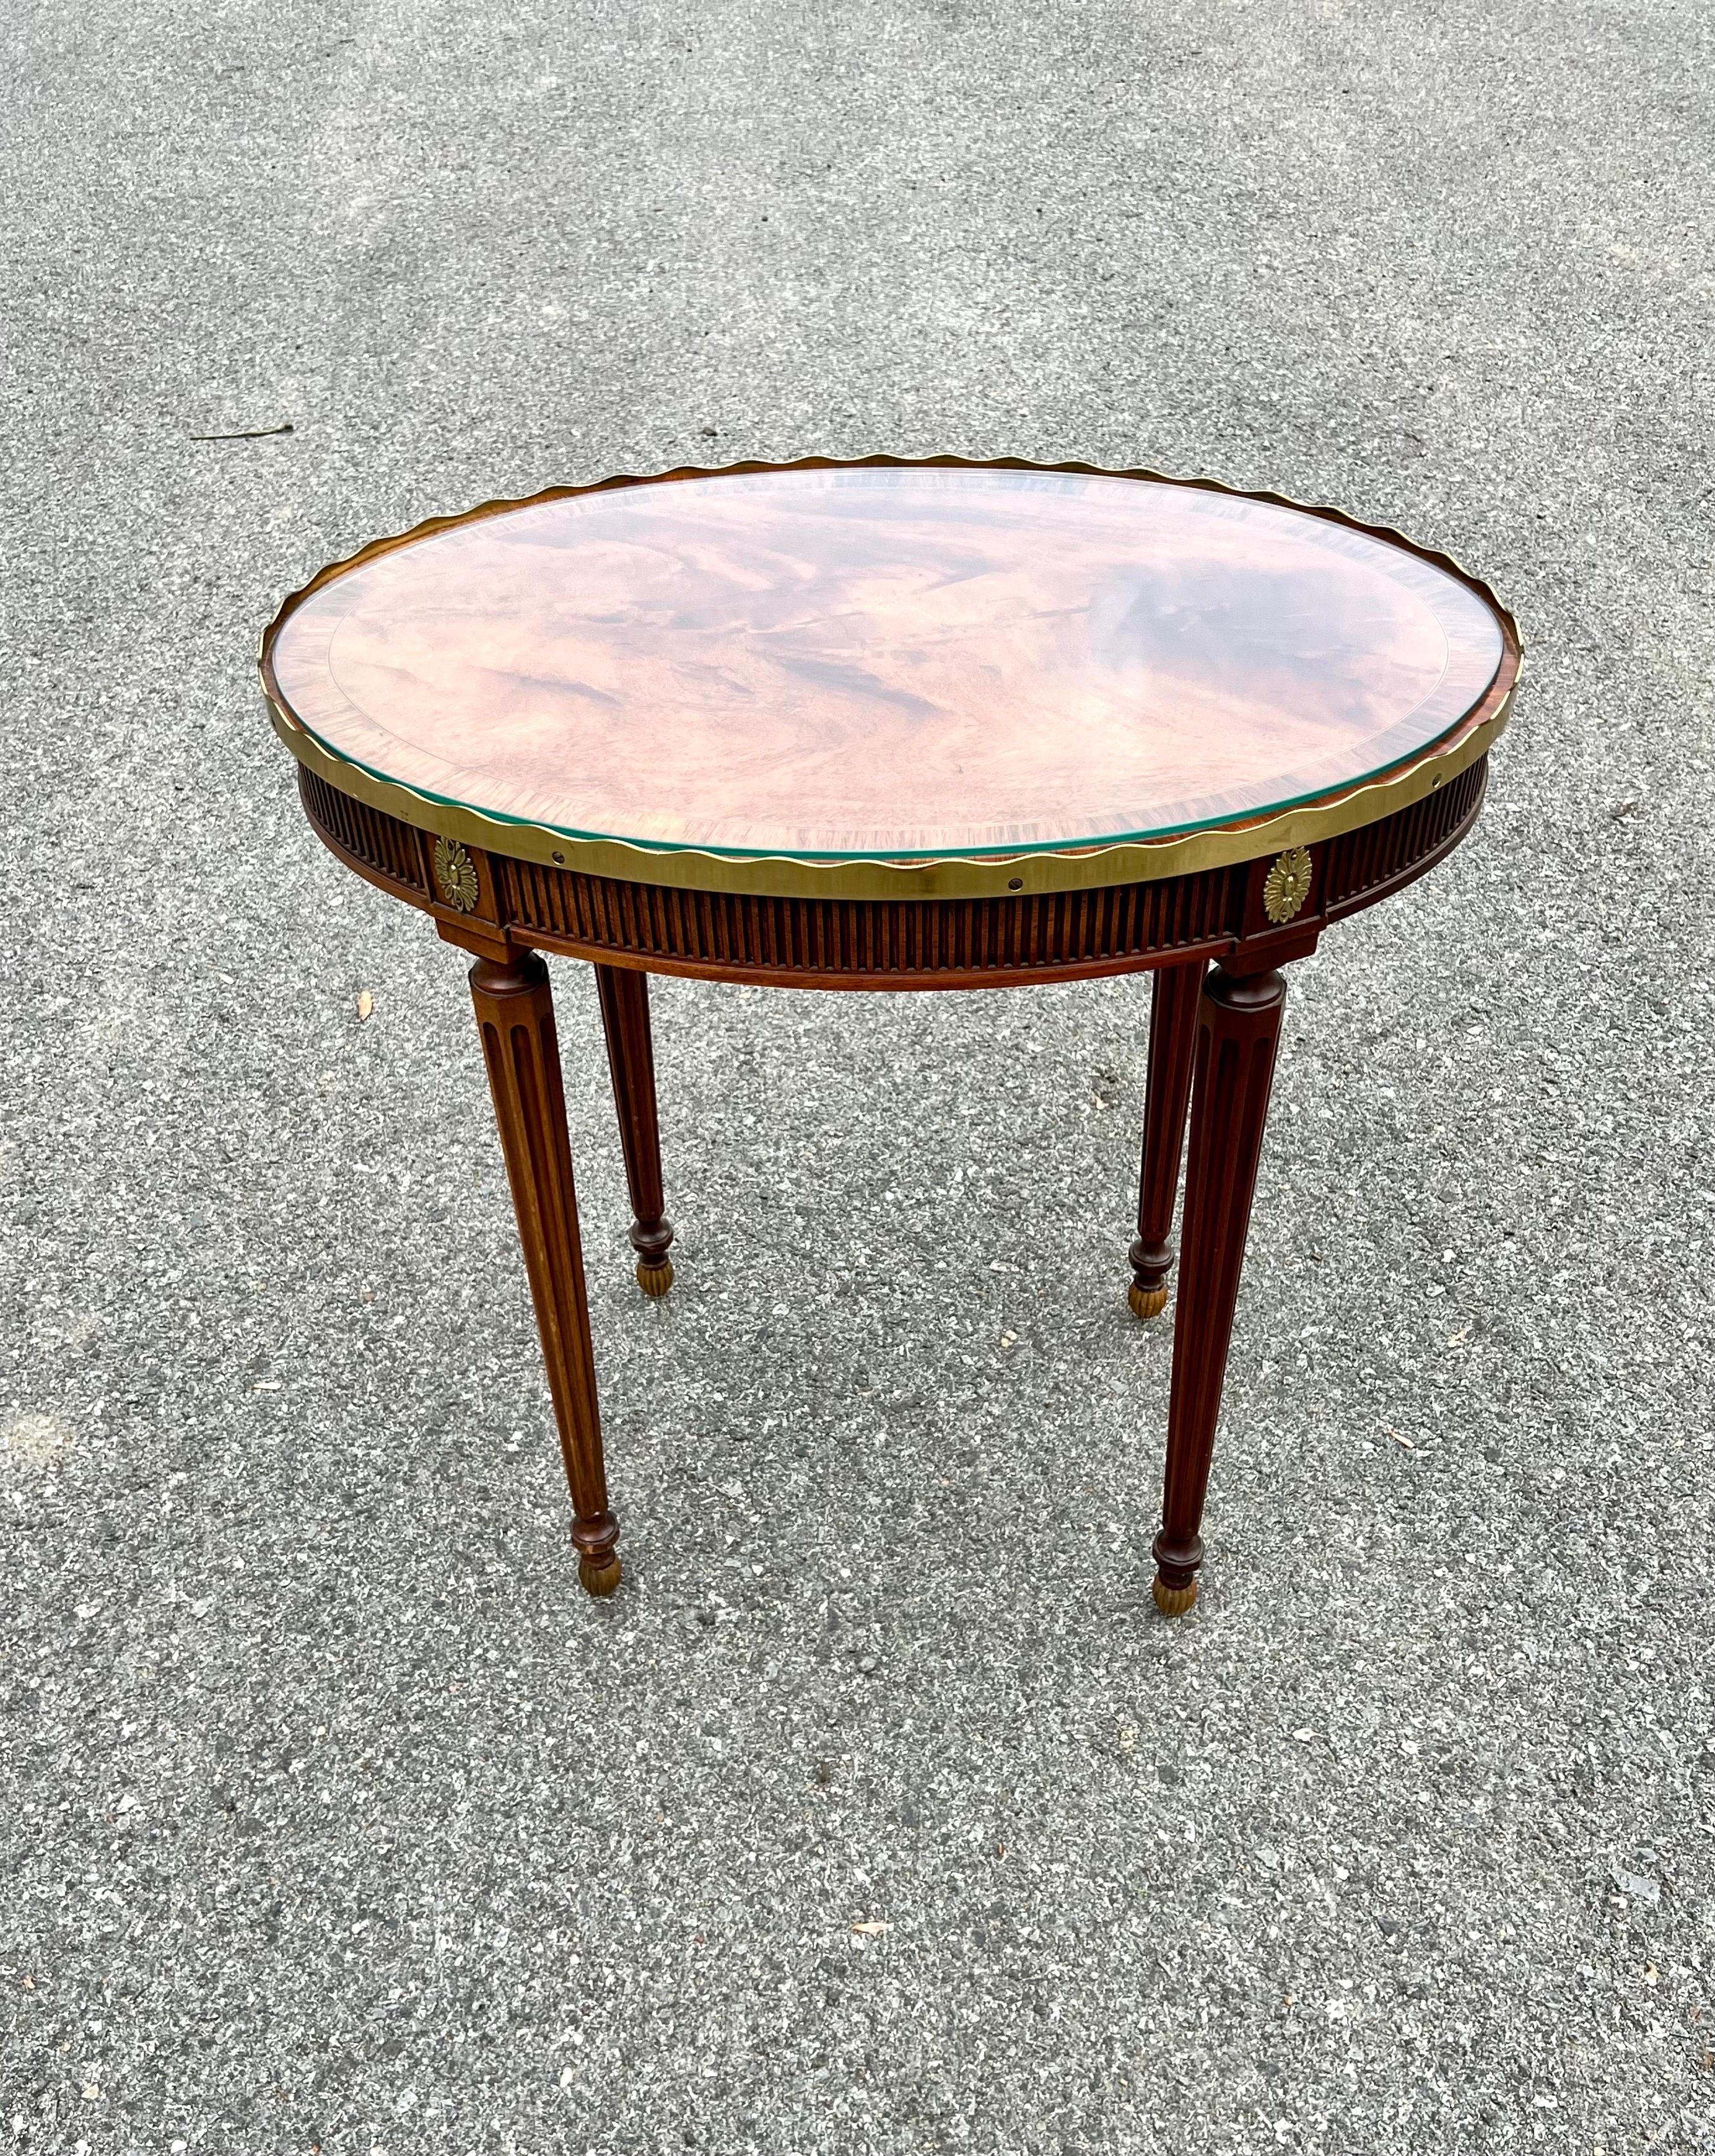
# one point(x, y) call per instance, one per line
point(335, 1816)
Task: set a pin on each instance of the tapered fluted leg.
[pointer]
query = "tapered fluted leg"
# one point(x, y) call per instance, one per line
point(1238, 1031)
point(514, 1011)
point(1173, 1038)
point(631, 1059)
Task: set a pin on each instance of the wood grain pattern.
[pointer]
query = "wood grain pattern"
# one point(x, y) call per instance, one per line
point(887, 662)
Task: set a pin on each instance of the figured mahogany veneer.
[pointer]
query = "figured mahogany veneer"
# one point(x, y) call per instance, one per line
point(889, 661)
point(883, 726)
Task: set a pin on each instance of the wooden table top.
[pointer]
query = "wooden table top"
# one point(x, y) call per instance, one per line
point(888, 662)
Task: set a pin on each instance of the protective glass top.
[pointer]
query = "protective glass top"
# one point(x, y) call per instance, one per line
point(886, 663)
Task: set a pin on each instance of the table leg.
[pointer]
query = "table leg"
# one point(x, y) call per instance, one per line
point(1238, 1031)
point(514, 1011)
point(1174, 994)
point(624, 995)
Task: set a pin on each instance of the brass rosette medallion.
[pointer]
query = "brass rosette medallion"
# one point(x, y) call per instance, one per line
point(455, 873)
point(1287, 885)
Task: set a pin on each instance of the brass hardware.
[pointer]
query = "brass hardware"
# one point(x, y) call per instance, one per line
point(1172, 1601)
point(600, 1582)
point(1287, 885)
point(769, 875)
point(456, 872)
point(1087, 867)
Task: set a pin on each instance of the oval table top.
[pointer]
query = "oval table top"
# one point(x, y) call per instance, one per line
point(887, 661)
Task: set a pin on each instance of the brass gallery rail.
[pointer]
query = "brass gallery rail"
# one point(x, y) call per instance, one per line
point(893, 943)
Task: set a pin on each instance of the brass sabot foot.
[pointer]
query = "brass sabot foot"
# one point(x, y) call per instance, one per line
point(1147, 1302)
point(654, 1279)
point(1172, 1601)
point(601, 1579)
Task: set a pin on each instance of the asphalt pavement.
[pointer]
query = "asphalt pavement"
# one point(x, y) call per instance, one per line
point(879, 1811)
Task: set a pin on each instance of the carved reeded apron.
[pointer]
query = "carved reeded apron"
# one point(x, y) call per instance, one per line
point(893, 725)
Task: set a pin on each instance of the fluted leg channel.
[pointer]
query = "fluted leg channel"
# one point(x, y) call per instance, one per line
point(624, 999)
point(515, 1012)
point(1238, 1031)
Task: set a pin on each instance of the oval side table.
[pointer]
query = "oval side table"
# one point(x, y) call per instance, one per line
point(892, 725)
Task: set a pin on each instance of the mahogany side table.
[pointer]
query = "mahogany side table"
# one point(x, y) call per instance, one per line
point(893, 725)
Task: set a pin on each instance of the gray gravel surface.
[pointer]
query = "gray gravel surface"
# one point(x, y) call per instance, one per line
point(334, 1815)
